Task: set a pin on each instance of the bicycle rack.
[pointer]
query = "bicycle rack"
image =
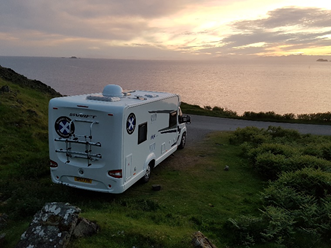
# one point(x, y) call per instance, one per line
point(83, 140)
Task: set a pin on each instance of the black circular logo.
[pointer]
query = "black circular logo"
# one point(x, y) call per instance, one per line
point(131, 123)
point(64, 127)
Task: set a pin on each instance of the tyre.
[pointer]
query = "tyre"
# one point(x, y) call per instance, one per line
point(147, 175)
point(182, 141)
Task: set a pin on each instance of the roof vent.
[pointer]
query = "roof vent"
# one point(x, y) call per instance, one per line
point(112, 90)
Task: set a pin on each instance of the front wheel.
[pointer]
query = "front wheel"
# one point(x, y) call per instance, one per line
point(147, 175)
point(182, 141)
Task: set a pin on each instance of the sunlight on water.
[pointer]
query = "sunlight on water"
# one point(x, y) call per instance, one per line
point(236, 85)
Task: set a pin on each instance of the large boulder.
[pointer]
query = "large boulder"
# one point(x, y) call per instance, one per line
point(52, 226)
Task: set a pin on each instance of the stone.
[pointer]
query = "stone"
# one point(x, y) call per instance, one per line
point(52, 226)
point(5, 88)
point(85, 228)
point(156, 187)
point(200, 241)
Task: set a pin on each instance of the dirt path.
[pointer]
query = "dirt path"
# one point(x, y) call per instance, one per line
point(202, 125)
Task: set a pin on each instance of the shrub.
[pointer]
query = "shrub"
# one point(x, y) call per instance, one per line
point(248, 134)
point(285, 197)
point(262, 115)
point(280, 227)
point(273, 148)
point(297, 203)
point(304, 197)
point(306, 161)
point(269, 165)
point(326, 151)
point(313, 149)
point(245, 230)
point(309, 181)
point(317, 117)
point(224, 112)
point(291, 135)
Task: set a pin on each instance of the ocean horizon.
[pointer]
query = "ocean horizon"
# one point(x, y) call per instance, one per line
point(260, 85)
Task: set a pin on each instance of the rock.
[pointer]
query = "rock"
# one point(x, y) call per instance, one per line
point(200, 241)
point(52, 226)
point(5, 88)
point(85, 228)
point(156, 187)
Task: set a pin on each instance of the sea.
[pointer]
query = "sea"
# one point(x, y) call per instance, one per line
point(258, 85)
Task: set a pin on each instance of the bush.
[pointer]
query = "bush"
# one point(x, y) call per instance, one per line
point(317, 117)
point(304, 196)
point(269, 165)
point(326, 151)
point(285, 197)
point(224, 112)
point(306, 161)
point(248, 134)
point(289, 134)
point(308, 181)
point(297, 203)
point(280, 227)
point(245, 230)
point(273, 148)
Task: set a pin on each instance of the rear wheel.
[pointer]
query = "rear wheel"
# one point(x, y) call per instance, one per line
point(147, 175)
point(182, 141)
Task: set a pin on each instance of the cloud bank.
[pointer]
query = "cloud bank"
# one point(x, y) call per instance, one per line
point(157, 29)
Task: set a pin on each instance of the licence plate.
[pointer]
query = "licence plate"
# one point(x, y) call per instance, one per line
point(83, 180)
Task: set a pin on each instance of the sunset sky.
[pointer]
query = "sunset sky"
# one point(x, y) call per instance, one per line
point(155, 29)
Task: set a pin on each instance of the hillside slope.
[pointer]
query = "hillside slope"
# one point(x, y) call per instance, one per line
point(24, 140)
point(23, 121)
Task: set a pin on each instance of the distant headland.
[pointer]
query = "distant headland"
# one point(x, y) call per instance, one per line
point(322, 60)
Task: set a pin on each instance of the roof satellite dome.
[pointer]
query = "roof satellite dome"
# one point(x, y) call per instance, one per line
point(112, 90)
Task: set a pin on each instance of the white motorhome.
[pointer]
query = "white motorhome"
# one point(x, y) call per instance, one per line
point(108, 141)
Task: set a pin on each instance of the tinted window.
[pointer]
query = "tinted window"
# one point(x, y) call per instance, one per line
point(142, 132)
point(173, 119)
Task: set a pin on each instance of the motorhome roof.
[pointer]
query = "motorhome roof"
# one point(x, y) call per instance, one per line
point(128, 98)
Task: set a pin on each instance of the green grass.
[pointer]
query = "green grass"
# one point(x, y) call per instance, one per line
point(196, 194)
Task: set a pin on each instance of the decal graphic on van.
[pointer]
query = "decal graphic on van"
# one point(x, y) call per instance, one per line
point(131, 123)
point(64, 127)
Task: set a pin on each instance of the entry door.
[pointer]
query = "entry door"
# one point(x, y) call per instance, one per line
point(128, 167)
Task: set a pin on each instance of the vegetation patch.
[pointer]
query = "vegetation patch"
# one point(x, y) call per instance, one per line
point(312, 118)
point(295, 209)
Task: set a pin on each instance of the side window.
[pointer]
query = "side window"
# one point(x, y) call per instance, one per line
point(142, 132)
point(173, 119)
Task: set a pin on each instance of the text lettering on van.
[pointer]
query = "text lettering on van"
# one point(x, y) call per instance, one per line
point(81, 115)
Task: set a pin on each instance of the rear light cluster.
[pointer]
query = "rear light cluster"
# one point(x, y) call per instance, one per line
point(115, 173)
point(52, 164)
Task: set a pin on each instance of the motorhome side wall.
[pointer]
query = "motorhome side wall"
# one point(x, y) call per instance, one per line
point(152, 139)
